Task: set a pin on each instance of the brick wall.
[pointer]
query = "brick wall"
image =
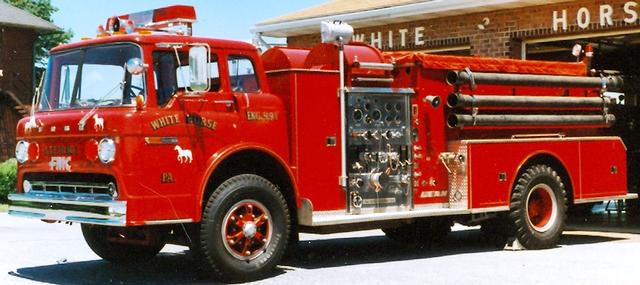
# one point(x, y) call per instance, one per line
point(16, 62)
point(502, 36)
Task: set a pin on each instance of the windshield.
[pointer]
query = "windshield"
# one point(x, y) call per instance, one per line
point(90, 77)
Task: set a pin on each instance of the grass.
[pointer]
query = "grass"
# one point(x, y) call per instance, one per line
point(3, 208)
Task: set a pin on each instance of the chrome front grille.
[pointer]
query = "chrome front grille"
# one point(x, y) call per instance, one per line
point(71, 183)
point(70, 187)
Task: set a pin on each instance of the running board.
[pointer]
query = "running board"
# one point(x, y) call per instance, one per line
point(308, 217)
point(629, 196)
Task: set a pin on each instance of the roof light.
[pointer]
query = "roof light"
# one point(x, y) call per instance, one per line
point(101, 32)
point(129, 27)
point(177, 19)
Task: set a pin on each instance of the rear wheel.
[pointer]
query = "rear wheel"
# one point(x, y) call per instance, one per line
point(244, 229)
point(124, 245)
point(538, 207)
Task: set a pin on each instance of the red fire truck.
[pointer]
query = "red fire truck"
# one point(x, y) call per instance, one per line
point(147, 135)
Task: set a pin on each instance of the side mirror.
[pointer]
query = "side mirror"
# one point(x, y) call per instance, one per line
point(199, 68)
point(135, 66)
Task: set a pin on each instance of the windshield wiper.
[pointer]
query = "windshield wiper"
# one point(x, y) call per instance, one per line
point(84, 119)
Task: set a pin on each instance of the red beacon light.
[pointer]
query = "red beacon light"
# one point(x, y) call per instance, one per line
point(177, 19)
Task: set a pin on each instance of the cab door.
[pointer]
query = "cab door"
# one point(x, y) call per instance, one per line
point(262, 118)
point(182, 128)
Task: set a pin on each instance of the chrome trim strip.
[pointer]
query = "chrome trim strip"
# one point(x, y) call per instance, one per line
point(167, 222)
point(543, 139)
point(381, 90)
point(65, 198)
point(372, 79)
point(490, 210)
point(602, 199)
point(71, 208)
point(162, 140)
point(329, 218)
point(301, 70)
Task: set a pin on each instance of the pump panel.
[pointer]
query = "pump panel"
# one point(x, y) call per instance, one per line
point(379, 150)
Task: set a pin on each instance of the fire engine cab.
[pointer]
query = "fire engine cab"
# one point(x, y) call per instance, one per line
point(147, 135)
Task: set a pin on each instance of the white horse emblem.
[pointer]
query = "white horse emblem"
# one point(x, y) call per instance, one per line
point(184, 155)
point(31, 124)
point(98, 123)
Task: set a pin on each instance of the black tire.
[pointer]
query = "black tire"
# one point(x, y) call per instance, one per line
point(538, 207)
point(107, 242)
point(233, 253)
point(632, 210)
point(421, 232)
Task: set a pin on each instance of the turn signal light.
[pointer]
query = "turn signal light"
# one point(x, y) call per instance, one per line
point(34, 151)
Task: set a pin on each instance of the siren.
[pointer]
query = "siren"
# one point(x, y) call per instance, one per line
point(336, 31)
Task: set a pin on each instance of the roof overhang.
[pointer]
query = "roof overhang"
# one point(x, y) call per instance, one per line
point(14, 17)
point(391, 15)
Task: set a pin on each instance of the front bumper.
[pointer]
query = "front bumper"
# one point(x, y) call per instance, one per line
point(89, 209)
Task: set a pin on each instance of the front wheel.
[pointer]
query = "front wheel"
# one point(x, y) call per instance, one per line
point(538, 207)
point(244, 229)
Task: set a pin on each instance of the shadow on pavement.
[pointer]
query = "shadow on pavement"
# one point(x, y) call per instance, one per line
point(166, 268)
point(585, 238)
point(351, 251)
point(178, 268)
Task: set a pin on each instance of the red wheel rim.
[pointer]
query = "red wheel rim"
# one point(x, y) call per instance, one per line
point(246, 231)
point(541, 207)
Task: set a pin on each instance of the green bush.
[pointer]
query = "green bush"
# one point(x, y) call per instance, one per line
point(7, 178)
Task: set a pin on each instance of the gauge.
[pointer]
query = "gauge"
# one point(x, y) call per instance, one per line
point(357, 115)
point(376, 115)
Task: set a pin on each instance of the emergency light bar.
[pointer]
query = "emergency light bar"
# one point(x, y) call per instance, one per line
point(177, 19)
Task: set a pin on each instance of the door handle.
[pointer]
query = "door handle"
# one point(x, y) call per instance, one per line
point(230, 105)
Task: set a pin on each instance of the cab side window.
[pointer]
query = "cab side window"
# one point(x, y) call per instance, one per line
point(172, 76)
point(164, 69)
point(242, 75)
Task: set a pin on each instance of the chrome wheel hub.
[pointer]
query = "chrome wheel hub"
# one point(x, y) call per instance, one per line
point(249, 229)
point(246, 230)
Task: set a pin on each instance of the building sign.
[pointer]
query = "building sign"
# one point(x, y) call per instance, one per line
point(590, 16)
point(400, 37)
point(604, 16)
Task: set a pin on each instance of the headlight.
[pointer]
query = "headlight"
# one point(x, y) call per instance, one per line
point(106, 150)
point(22, 151)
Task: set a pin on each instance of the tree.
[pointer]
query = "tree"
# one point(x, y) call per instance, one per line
point(45, 41)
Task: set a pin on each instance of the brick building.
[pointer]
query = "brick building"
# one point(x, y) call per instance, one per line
point(18, 32)
point(523, 29)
